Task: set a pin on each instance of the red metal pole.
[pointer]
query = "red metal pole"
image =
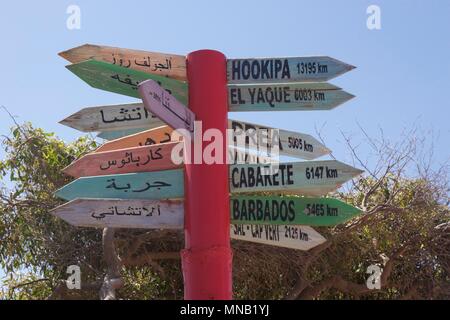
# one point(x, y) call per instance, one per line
point(207, 258)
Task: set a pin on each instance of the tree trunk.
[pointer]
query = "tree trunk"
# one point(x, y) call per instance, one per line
point(113, 279)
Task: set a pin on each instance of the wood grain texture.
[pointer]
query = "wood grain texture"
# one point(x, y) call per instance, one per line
point(162, 64)
point(246, 135)
point(112, 78)
point(287, 69)
point(115, 213)
point(164, 135)
point(140, 159)
point(166, 107)
point(158, 135)
point(286, 143)
point(118, 134)
point(238, 156)
point(290, 210)
point(112, 118)
point(304, 178)
point(285, 97)
point(294, 237)
point(157, 185)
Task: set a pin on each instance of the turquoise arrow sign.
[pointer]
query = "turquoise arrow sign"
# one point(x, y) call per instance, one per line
point(156, 185)
point(112, 135)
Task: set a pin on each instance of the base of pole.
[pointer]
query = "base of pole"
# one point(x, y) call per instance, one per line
point(197, 265)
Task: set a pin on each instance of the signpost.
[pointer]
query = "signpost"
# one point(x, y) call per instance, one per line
point(166, 107)
point(286, 236)
point(286, 97)
point(132, 182)
point(113, 213)
point(112, 118)
point(168, 184)
point(162, 64)
point(306, 178)
point(276, 210)
point(140, 159)
point(294, 144)
point(291, 69)
point(110, 77)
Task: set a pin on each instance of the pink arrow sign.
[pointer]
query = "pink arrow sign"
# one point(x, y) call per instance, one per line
point(166, 107)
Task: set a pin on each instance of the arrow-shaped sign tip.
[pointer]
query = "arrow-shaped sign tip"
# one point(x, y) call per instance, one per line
point(67, 123)
point(71, 54)
point(350, 96)
point(345, 97)
point(345, 66)
point(65, 54)
point(69, 170)
point(326, 150)
point(351, 67)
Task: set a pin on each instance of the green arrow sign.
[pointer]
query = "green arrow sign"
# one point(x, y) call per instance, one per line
point(290, 210)
point(113, 78)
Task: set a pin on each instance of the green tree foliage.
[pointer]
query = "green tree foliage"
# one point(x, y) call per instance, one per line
point(405, 229)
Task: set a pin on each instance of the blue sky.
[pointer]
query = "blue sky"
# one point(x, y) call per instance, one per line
point(401, 80)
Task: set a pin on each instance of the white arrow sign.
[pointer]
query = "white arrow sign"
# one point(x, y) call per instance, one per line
point(114, 213)
point(288, 143)
point(292, 69)
point(294, 237)
point(111, 118)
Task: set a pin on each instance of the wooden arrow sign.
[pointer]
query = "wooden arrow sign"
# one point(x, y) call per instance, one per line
point(306, 178)
point(286, 97)
point(158, 185)
point(140, 159)
point(150, 137)
point(139, 214)
point(293, 69)
point(293, 237)
point(164, 135)
point(289, 143)
point(162, 64)
point(112, 118)
point(275, 210)
point(113, 135)
point(109, 77)
point(166, 107)
point(238, 156)
point(246, 135)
